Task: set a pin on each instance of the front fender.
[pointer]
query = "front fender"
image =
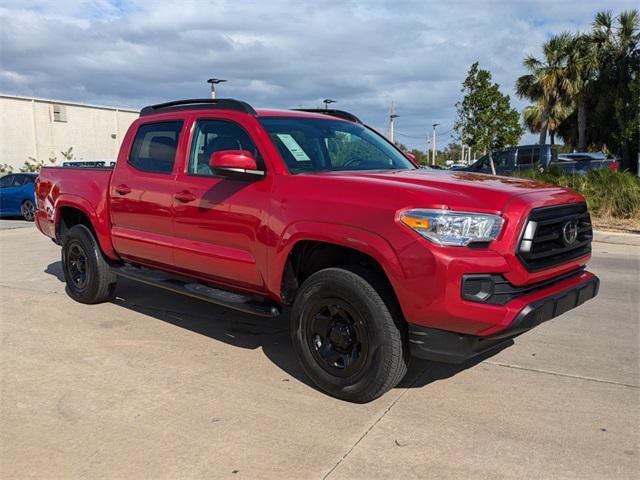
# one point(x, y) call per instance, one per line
point(355, 238)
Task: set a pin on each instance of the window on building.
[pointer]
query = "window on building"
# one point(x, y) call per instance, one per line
point(59, 113)
point(154, 148)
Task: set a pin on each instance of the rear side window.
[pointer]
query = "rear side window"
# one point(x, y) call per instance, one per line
point(154, 147)
point(536, 155)
point(525, 156)
point(23, 180)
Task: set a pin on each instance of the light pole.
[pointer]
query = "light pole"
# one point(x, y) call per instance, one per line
point(327, 101)
point(392, 130)
point(214, 82)
point(433, 144)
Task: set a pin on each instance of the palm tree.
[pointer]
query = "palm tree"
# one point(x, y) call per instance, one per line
point(547, 83)
point(532, 116)
point(582, 65)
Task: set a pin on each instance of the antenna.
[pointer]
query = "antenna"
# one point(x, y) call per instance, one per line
point(214, 82)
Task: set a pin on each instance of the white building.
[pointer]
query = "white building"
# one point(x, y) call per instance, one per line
point(42, 129)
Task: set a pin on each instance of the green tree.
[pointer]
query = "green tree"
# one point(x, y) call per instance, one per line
point(616, 94)
point(486, 120)
point(547, 83)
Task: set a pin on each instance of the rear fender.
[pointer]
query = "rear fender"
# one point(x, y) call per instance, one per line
point(100, 224)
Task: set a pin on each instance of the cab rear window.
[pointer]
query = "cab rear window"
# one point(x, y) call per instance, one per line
point(154, 147)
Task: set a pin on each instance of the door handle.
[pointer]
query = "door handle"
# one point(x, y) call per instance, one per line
point(123, 189)
point(185, 197)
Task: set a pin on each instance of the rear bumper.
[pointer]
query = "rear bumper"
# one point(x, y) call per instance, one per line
point(452, 347)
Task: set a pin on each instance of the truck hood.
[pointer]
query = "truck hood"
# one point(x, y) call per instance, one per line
point(455, 190)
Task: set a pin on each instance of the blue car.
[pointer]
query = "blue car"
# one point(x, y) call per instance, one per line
point(17, 196)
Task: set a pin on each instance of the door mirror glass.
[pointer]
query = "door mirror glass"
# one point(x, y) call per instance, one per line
point(234, 163)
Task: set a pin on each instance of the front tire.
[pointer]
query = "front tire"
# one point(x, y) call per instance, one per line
point(87, 274)
point(28, 210)
point(348, 334)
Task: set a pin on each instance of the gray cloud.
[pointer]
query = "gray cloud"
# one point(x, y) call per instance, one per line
point(279, 53)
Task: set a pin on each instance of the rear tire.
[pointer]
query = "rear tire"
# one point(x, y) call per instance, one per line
point(28, 210)
point(349, 334)
point(87, 274)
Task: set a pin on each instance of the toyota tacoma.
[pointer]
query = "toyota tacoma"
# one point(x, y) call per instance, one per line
point(378, 260)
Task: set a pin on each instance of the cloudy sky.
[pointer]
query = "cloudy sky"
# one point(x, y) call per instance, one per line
point(281, 53)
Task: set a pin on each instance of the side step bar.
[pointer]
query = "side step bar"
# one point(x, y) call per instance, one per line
point(225, 298)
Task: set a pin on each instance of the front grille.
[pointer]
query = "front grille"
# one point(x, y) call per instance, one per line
point(547, 239)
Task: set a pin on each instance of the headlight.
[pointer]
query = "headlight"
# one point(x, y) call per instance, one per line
point(446, 227)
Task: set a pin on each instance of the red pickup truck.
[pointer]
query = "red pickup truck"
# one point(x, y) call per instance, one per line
point(379, 259)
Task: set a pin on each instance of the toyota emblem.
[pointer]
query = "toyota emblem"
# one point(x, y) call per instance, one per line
point(569, 232)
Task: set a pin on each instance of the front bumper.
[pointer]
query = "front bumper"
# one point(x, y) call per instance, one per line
point(452, 347)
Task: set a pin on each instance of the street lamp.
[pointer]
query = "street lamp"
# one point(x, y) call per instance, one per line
point(327, 101)
point(214, 82)
point(392, 131)
point(433, 144)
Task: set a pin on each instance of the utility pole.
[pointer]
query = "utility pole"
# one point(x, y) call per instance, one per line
point(327, 101)
point(214, 82)
point(461, 152)
point(433, 145)
point(392, 117)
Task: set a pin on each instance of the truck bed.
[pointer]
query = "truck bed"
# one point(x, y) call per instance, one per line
point(84, 187)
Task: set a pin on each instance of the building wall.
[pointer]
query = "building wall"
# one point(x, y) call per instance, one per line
point(28, 128)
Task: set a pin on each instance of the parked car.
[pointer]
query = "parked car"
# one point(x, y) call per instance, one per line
point(458, 166)
point(541, 157)
point(378, 259)
point(582, 162)
point(17, 195)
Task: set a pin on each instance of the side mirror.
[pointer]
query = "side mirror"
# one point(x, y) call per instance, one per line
point(239, 163)
point(411, 157)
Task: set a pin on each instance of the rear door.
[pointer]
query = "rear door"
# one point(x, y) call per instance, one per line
point(524, 158)
point(141, 192)
point(219, 221)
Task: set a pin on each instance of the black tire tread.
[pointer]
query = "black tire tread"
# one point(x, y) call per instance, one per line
point(376, 290)
point(103, 289)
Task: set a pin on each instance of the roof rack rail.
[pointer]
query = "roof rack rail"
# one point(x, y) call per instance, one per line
point(331, 112)
point(199, 103)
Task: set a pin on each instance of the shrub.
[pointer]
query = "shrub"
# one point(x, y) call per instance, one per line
point(609, 194)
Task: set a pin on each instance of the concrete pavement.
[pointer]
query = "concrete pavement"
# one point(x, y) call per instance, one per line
point(155, 385)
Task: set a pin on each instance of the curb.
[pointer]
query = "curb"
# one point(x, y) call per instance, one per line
point(616, 237)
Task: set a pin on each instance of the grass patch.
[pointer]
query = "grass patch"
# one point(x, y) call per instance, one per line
point(610, 195)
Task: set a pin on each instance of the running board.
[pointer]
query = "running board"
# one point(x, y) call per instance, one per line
point(225, 298)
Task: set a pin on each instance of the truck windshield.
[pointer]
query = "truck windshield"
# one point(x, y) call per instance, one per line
point(315, 144)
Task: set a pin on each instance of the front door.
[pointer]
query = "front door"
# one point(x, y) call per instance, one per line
point(142, 194)
point(218, 220)
point(10, 195)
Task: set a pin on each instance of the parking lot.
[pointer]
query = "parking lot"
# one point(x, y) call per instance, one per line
point(154, 385)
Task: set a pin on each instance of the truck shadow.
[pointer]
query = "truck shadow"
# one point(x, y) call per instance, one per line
point(247, 331)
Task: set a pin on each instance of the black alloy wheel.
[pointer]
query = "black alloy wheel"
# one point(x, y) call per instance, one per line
point(338, 337)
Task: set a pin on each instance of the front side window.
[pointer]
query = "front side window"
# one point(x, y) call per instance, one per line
point(6, 181)
point(212, 136)
point(313, 144)
point(154, 147)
